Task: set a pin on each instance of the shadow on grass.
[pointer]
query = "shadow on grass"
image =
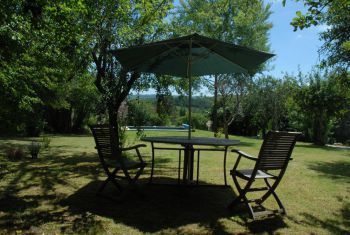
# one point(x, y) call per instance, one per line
point(334, 170)
point(29, 200)
point(245, 144)
point(159, 207)
point(333, 226)
point(325, 148)
point(154, 207)
point(48, 173)
point(266, 225)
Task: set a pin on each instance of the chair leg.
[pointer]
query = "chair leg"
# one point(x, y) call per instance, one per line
point(271, 190)
point(111, 177)
point(137, 175)
point(241, 198)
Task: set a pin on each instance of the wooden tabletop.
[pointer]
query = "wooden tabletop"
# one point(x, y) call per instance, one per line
point(184, 140)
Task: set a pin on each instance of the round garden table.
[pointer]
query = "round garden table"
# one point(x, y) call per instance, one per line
point(189, 150)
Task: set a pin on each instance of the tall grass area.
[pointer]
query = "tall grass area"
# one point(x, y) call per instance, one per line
point(55, 194)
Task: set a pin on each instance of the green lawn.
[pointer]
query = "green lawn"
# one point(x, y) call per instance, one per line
point(55, 194)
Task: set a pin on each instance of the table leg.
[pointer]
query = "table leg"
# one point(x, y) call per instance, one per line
point(179, 170)
point(198, 154)
point(191, 164)
point(186, 156)
point(225, 156)
point(188, 163)
point(152, 164)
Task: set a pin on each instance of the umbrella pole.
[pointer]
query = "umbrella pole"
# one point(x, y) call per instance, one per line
point(189, 72)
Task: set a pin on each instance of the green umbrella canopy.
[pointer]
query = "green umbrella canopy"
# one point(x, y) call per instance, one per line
point(207, 57)
point(192, 55)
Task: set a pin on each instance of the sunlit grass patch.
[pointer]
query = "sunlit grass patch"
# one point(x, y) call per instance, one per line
point(56, 193)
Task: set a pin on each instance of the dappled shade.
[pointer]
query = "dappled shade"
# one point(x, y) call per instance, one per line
point(154, 207)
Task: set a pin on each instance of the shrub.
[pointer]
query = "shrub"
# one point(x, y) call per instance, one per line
point(14, 154)
point(46, 142)
point(34, 149)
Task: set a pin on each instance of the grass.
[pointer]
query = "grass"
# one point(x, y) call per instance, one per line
point(55, 194)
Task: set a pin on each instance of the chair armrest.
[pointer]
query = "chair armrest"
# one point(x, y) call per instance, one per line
point(136, 147)
point(246, 155)
point(133, 147)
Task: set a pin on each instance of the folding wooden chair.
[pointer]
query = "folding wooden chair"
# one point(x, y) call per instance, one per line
point(112, 159)
point(274, 155)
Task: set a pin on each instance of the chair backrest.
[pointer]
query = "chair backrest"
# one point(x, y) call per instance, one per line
point(276, 150)
point(102, 136)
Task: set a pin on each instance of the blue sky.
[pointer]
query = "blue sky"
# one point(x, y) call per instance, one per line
point(293, 49)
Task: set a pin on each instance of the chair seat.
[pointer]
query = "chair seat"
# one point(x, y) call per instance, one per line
point(247, 174)
point(129, 164)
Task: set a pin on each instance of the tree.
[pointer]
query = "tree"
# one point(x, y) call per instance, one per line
point(40, 53)
point(119, 24)
point(320, 100)
point(268, 98)
point(335, 15)
point(232, 89)
point(240, 22)
point(162, 85)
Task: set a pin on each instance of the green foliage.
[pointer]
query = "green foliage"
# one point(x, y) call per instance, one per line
point(110, 25)
point(162, 85)
point(231, 89)
point(268, 102)
point(335, 15)
point(43, 51)
point(34, 149)
point(324, 97)
point(199, 121)
point(242, 22)
point(141, 113)
point(46, 142)
point(45, 58)
point(83, 99)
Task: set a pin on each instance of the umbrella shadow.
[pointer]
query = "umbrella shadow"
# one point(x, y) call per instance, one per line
point(338, 170)
point(331, 225)
point(154, 207)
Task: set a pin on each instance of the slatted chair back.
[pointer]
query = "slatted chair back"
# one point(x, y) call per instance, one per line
point(112, 160)
point(103, 140)
point(276, 150)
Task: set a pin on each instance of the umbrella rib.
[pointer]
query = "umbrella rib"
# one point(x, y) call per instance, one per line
point(204, 47)
point(171, 50)
point(183, 43)
point(152, 58)
point(182, 40)
point(224, 57)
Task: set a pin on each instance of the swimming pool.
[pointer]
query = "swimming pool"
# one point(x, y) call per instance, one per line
point(184, 127)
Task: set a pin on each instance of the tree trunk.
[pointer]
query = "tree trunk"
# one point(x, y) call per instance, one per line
point(225, 124)
point(320, 130)
point(226, 130)
point(114, 130)
point(78, 119)
point(263, 133)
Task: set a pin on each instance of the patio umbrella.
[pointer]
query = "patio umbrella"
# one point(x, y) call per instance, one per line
point(192, 55)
